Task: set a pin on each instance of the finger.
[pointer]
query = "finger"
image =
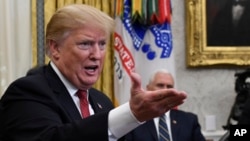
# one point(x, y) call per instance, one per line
point(175, 101)
point(163, 93)
point(136, 80)
point(170, 100)
point(173, 106)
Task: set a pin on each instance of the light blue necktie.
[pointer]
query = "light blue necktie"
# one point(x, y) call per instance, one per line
point(163, 129)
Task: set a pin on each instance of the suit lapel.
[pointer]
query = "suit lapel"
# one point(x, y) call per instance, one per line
point(63, 96)
point(93, 99)
point(174, 124)
point(69, 105)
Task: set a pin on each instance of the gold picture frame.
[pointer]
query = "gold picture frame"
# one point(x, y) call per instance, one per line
point(199, 53)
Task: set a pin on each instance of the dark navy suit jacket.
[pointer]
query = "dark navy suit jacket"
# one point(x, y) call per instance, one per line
point(184, 127)
point(39, 107)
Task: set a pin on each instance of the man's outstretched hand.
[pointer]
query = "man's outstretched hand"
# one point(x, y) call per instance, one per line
point(146, 105)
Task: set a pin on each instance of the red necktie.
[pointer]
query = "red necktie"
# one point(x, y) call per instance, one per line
point(84, 105)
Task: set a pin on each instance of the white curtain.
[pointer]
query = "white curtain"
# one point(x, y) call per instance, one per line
point(15, 40)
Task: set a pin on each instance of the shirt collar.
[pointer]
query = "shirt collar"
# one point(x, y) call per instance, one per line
point(71, 88)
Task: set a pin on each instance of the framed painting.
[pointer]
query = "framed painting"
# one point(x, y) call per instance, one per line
point(218, 32)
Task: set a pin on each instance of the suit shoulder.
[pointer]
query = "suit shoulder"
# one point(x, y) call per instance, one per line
point(98, 93)
point(35, 70)
point(100, 97)
point(27, 87)
point(29, 80)
point(181, 112)
point(94, 90)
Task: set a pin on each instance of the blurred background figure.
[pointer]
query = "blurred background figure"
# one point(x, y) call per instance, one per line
point(240, 112)
point(181, 126)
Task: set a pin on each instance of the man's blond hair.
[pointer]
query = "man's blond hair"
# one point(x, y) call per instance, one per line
point(74, 16)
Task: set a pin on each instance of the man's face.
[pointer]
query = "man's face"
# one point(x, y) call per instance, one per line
point(239, 2)
point(161, 81)
point(80, 56)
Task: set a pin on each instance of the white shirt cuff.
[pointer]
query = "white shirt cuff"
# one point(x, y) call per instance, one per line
point(121, 121)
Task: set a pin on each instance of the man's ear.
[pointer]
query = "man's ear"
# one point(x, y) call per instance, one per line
point(54, 48)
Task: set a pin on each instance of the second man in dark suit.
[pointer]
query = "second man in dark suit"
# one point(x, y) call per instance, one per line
point(182, 126)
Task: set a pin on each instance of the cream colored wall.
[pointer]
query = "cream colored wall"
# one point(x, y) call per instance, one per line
point(210, 91)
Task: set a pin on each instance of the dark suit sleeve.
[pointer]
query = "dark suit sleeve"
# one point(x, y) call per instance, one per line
point(30, 115)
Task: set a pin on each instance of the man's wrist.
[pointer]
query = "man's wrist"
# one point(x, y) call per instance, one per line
point(121, 120)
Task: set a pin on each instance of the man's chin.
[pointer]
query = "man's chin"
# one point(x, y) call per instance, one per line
point(91, 81)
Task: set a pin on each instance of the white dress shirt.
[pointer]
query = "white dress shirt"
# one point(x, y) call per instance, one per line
point(116, 128)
